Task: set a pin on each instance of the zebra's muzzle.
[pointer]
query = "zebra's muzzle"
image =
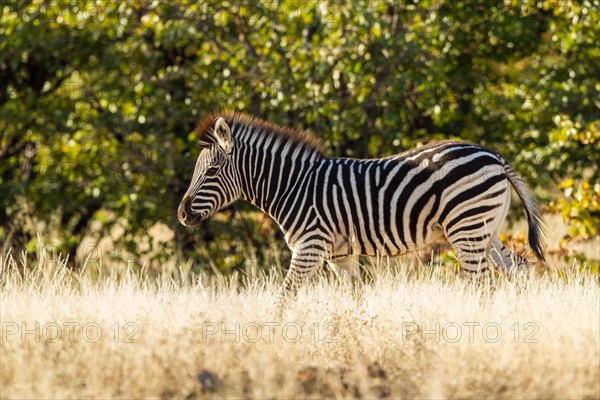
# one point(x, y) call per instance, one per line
point(185, 215)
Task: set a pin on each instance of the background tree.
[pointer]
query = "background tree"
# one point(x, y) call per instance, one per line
point(98, 101)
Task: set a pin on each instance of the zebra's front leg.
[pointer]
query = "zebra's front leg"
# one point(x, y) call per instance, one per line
point(347, 269)
point(303, 265)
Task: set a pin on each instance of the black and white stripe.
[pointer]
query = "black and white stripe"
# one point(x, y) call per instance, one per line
point(331, 209)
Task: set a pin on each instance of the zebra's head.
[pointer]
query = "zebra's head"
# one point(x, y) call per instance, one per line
point(215, 182)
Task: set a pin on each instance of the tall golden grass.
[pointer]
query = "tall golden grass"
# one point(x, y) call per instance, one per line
point(406, 335)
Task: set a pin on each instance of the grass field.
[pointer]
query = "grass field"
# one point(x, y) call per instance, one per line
point(408, 335)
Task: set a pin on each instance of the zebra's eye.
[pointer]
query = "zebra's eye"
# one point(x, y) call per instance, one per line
point(212, 170)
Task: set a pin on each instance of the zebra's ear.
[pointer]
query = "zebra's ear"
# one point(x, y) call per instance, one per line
point(223, 134)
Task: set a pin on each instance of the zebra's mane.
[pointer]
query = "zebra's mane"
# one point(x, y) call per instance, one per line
point(237, 121)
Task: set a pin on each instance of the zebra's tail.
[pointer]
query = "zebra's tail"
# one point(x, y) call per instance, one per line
point(534, 217)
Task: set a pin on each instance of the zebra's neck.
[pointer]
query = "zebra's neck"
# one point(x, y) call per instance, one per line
point(274, 169)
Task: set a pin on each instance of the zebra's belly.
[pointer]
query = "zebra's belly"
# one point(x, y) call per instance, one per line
point(388, 242)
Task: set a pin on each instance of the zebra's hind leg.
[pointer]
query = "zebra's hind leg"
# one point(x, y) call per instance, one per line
point(509, 262)
point(473, 258)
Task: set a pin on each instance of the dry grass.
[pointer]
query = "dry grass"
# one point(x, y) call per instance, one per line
point(405, 337)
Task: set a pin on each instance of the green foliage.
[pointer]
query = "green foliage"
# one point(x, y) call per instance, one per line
point(98, 101)
point(581, 207)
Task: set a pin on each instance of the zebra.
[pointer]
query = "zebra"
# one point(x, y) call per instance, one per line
point(333, 209)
